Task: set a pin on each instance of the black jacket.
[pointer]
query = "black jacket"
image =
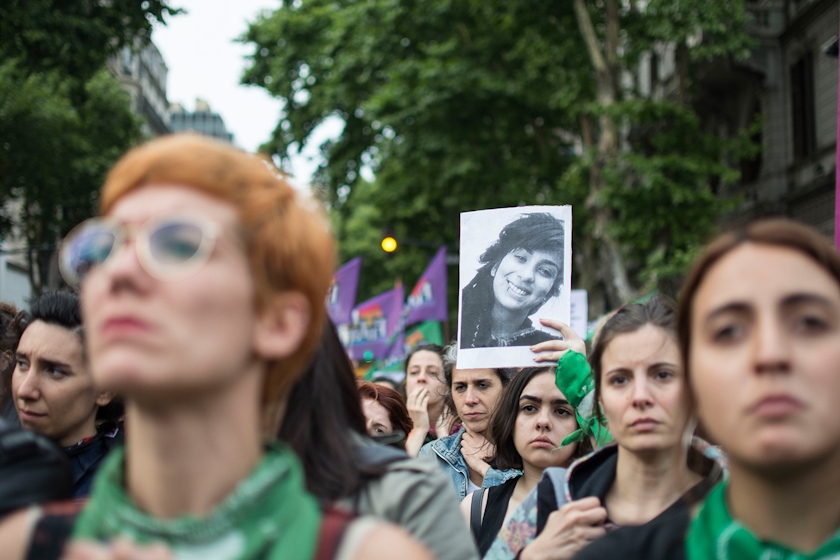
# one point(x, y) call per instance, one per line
point(661, 538)
point(86, 456)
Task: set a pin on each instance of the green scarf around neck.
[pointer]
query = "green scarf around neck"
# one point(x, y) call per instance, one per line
point(714, 535)
point(269, 515)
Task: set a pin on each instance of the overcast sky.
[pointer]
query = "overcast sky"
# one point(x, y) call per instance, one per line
point(204, 61)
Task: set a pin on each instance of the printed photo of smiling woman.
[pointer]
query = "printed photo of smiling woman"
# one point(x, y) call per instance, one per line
point(509, 287)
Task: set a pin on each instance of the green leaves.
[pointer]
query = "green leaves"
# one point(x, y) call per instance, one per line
point(459, 105)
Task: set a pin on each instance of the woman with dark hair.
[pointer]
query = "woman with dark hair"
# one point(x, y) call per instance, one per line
point(759, 329)
point(531, 422)
point(652, 472)
point(385, 411)
point(463, 455)
point(53, 390)
point(324, 424)
point(521, 271)
point(426, 398)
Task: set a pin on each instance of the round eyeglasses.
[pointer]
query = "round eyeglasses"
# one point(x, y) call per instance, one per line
point(168, 248)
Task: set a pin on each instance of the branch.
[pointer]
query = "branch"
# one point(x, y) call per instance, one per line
point(589, 36)
point(611, 46)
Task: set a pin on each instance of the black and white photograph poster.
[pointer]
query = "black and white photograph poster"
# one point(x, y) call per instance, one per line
point(515, 267)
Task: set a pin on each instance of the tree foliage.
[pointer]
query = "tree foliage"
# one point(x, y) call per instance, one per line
point(64, 118)
point(459, 105)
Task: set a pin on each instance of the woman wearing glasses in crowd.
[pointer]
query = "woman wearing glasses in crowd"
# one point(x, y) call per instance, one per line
point(759, 330)
point(203, 292)
point(651, 473)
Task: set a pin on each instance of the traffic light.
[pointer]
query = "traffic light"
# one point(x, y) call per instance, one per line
point(389, 242)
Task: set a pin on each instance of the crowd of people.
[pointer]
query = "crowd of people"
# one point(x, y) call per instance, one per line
point(201, 405)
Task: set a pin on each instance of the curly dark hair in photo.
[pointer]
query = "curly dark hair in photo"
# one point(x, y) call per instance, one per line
point(532, 232)
point(503, 423)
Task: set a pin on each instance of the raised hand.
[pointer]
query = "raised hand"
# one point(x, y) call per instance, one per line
point(476, 450)
point(553, 350)
point(568, 530)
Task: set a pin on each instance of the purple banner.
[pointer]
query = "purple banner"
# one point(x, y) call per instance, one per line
point(376, 326)
point(341, 296)
point(427, 301)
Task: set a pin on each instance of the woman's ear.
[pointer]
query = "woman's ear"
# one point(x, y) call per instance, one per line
point(281, 326)
point(494, 269)
point(104, 398)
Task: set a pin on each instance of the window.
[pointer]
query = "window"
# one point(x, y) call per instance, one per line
point(802, 105)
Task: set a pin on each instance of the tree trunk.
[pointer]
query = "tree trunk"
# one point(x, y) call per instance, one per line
point(611, 260)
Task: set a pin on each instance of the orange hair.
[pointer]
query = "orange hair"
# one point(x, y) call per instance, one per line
point(289, 244)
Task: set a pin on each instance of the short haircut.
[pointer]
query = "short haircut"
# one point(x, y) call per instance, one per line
point(503, 422)
point(288, 239)
point(539, 231)
point(392, 401)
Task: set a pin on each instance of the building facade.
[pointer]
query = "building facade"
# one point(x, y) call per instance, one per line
point(790, 83)
point(142, 71)
point(203, 121)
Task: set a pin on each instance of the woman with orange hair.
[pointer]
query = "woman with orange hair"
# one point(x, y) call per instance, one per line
point(202, 288)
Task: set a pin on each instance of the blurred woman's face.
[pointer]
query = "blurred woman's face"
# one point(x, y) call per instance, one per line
point(377, 419)
point(476, 393)
point(169, 338)
point(643, 392)
point(523, 279)
point(425, 369)
point(543, 420)
point(765, 357)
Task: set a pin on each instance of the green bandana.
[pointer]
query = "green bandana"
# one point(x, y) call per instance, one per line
point(574, 380)
point(269, 515)
point(714, 535)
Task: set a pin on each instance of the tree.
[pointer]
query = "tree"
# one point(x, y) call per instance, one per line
point(64, 118)
point(462, 105)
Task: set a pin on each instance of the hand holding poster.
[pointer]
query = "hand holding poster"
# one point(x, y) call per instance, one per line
point(522, 275)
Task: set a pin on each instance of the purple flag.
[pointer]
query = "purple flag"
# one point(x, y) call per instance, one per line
point(376, 326)
point(341, 296)
point(427, 301)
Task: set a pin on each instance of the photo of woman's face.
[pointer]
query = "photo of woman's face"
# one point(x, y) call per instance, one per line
point(523, 279)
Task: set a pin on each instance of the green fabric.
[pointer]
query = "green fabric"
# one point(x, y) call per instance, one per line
point(574, 379)
point(714, 535)
point(269, 515)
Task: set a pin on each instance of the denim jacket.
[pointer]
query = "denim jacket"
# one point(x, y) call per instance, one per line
point(447, 451)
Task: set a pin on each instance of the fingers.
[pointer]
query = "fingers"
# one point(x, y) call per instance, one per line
point(573, 341)
point(552, 357)
point(587, 511)
point(568, 332)
point(555, 344)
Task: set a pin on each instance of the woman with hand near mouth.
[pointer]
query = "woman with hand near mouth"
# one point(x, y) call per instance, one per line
point(464, 455)
point(651, 472)
point(425, 397)
point(521, 271)
point(529, 425)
